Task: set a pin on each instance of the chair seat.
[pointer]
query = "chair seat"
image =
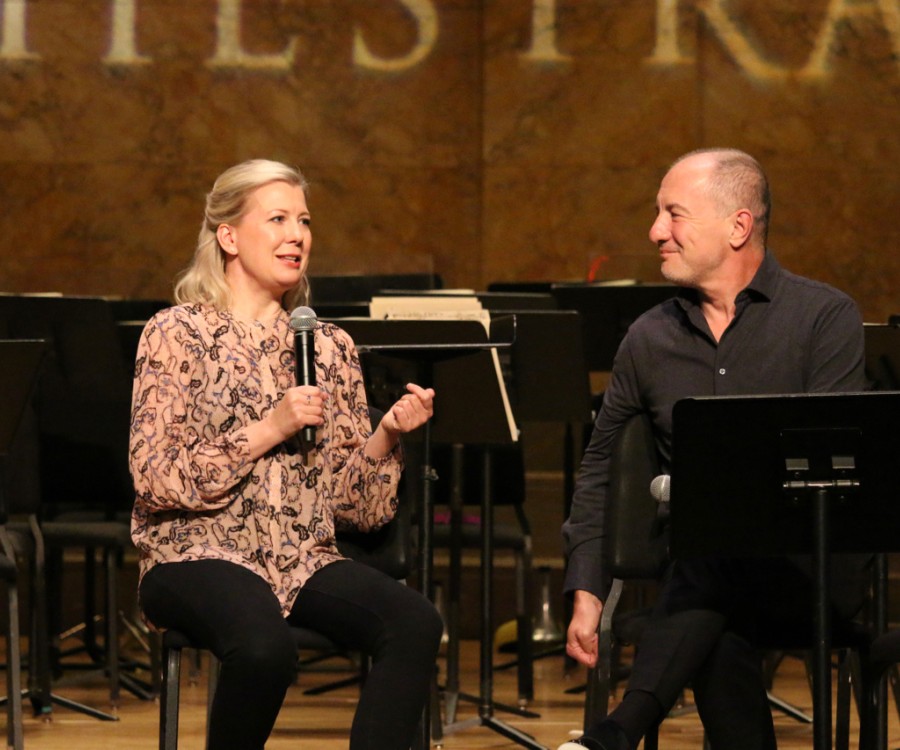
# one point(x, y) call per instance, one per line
point(885, 649)
point(628, 627)
point(8, 570)
point(87, 533)
point(506, 536)
point(303, 637)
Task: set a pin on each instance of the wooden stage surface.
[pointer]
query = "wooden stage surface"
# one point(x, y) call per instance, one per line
point(320, 722)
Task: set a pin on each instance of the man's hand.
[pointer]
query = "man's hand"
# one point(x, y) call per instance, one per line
point(581, 638)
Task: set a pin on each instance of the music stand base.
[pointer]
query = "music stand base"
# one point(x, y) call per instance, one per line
point(65, 703)
point(452, 699)
point(510, 732)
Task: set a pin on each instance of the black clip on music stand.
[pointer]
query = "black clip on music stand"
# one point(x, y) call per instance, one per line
point(792, 474)
point(22, 360)
point(454, 357)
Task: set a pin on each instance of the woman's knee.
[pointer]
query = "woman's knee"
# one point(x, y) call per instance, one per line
point(418, 627)
point(272, 655)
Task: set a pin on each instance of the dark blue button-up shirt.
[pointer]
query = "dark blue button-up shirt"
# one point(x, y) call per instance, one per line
point(789, 335)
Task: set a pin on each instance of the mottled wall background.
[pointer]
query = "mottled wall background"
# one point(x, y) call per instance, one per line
point(492, 140)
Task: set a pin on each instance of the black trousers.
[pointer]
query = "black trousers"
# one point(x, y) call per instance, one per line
point(234, 614)
point(711, 620)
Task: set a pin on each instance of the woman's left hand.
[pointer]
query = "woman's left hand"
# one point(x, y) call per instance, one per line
point(411, 411)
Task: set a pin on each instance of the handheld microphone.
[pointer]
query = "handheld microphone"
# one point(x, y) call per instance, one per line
point(303, 323)
point(661, 488)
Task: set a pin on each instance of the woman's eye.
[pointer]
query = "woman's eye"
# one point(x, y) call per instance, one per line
point(306, 221)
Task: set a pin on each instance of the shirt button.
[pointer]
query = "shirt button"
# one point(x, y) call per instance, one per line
point(721, 371)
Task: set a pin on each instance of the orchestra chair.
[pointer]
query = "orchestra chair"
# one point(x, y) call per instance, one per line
point(881, 659)
point(18, 467)
point(83, 403)
point(637, 553)
point(387, 549)
point(637, 549)
point(9, 574)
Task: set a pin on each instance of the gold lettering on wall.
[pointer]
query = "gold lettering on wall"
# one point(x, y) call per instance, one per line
point(13, 45)
point(543, 34)
point(229, 53)
point(543, 49)
point(123, 45)
point(754, 62)
point(738, 46)
point(666, 51)
point(840, 11)
point(426, 18)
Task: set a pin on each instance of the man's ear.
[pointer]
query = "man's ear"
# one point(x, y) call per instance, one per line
point(741, 228)
point(225, 234)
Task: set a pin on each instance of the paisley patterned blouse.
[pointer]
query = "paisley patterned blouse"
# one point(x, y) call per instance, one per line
point(201, 377)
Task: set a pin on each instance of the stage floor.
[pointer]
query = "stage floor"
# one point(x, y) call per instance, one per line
point(320, 722)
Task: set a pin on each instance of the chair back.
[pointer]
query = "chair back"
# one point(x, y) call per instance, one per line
point(19, 472)
point(507, 474)
point(637, 538)
point(83, 400)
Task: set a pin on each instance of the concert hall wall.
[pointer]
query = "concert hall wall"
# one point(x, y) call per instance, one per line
point(481, 140)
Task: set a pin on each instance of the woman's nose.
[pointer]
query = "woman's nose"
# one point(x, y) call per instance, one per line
point(296, 232)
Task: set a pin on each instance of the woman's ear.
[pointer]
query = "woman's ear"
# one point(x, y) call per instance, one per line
point(227, 238)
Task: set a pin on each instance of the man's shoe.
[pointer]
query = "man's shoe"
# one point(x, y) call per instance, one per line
point(605, 736)
point(580, 744)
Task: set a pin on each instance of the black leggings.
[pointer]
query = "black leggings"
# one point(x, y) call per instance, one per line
point(234, 614)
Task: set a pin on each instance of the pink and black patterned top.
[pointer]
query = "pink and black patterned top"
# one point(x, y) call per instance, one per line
point(201, 377)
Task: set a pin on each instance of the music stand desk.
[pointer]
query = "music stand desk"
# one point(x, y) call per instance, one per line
point(608, 311)
point(883, 355)
point(788, 474)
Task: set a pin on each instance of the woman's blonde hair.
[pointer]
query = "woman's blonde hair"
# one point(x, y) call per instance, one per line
point(204, 279)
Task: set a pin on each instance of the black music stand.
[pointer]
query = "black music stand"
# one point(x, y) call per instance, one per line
point(608, 310)
point(559, 393)
point(883, 355)
point(22, 360)
point(539, 393)
point(788, 474)
point(454, 357)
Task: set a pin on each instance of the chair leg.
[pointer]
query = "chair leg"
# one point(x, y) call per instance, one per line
point(14, 722)
point(842, 707)
point(214, 668)
point(524, 628)
point(599, 685)
point(154, 641)
point(112, 625)
point(168, 699)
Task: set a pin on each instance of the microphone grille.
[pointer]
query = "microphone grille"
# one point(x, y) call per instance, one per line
point(303, 319)
point(661, 487)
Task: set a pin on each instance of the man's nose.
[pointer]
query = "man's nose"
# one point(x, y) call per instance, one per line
point(659, 230)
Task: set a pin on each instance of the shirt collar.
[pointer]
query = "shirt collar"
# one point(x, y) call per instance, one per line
point(765, 281)
point(761, 286)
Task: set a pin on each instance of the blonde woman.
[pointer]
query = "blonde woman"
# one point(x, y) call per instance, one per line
point(234, 524)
